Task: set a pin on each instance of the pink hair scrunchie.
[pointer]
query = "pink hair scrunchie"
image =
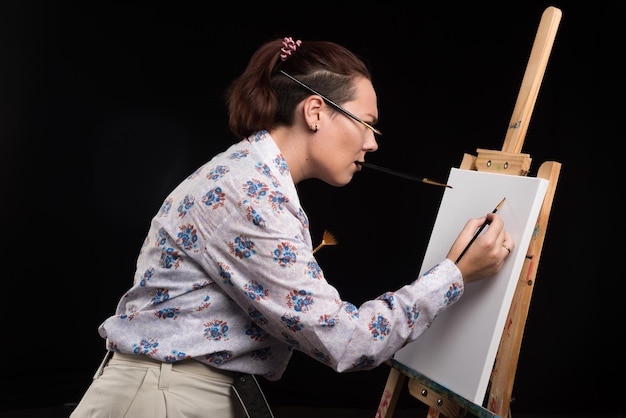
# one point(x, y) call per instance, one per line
point(289, 46)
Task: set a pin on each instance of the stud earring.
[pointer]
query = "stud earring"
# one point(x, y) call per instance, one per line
point(315, 128)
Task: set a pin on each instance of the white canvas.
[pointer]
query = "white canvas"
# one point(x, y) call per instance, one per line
point(459, 349)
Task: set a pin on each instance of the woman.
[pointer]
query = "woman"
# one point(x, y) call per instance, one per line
point(227, 285)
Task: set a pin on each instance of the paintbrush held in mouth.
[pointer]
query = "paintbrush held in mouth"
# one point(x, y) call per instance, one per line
point(403, 175)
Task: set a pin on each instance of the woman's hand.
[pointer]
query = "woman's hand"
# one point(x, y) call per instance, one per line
point(485, 257)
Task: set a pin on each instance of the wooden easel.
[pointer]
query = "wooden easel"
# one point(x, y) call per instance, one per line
point(511, 161)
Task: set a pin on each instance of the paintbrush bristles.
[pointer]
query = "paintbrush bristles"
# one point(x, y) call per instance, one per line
point(435, 183)
point(327, 239)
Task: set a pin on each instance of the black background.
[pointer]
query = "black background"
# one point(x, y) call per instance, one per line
point(106, 106)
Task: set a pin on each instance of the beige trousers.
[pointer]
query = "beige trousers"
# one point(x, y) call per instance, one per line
point(128, 386)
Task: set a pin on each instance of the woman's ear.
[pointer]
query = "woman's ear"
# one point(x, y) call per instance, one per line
point(312, 109)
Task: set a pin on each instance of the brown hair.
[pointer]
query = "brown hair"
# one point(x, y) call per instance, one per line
point(262, 98)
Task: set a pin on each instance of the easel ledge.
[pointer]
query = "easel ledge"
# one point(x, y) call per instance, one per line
point(446, 400)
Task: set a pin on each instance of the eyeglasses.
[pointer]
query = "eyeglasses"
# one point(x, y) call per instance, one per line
point(332, 104)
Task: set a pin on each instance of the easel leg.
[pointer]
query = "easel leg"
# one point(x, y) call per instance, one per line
point(391, 393)
point(432, 413)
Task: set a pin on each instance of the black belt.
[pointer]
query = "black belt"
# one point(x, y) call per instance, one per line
point(251, 396)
